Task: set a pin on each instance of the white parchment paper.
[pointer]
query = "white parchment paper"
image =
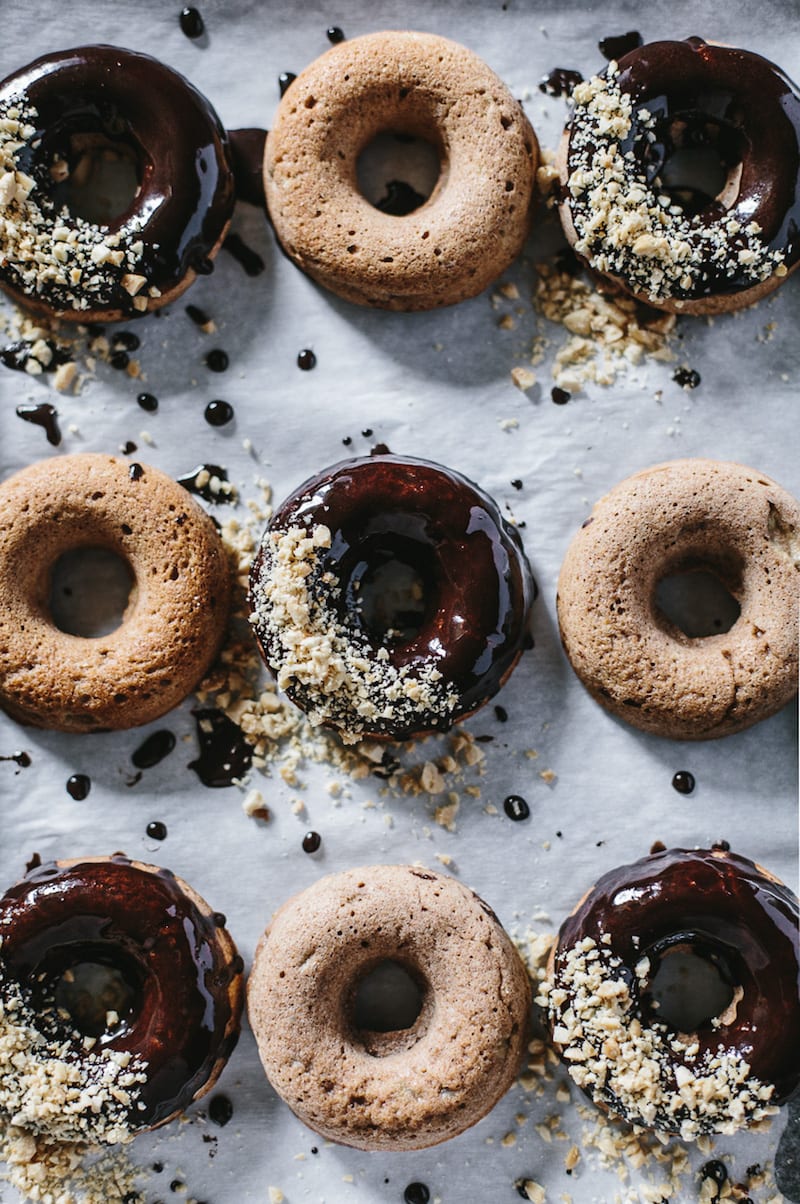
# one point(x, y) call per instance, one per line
point(435, 385)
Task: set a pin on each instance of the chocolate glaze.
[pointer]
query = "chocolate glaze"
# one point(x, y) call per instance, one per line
point(285, 80)
point(477, 582)
point(188, 480)
point(22, 759)
point(247, 157)
point(614, 46)
point(225, 755)
point(187, 188)
point(561, 81)
point(78, 786)
point(45, 415)
point(140, 922)
point(724, 906)
point(245, 256)
point(154, 749)
point(754, 107)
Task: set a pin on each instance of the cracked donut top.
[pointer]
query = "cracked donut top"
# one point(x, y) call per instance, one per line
point(731, 1071)
point(670, 242)
point(58, 113)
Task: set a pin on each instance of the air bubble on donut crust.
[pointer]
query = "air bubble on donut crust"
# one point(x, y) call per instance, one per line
point(49, 253)
point(328, 662)
point(643, 1071)
point(626, 227)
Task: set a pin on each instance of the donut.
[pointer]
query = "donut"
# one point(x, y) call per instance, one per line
point(408, 1088)
point(475, 221)
point(677, 248)
point(322, 548)
point(734, 1068)
point(134, 1047)
point(176, 615)
point(101, 99)
point(672, 519)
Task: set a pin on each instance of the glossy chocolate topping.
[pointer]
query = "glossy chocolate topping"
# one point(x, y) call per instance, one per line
point(476, 583)
point(247, 156)
point(141, 923)
point(727, 910)
point(744, 105)
point(186, 192)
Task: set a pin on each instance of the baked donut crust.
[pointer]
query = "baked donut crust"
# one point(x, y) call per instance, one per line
point(476, 219)
point(173, 951)
point(677, 517)
point(407, 1089)
point(733, 1069)
point(176, 616)
point(615, 210)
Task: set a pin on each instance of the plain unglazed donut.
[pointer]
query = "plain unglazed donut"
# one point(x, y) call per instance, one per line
point(475, 221)
point(409, 1088)
point(730, 1070)
point(175, 618)
point(620, 215)
point(679, 517)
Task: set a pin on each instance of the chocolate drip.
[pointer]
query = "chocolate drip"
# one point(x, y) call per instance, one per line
point(247, 157)
point(560, 82)
point(78, 786)
point(247, 258)
point(154, 749)
point(616, 45)
point(189, 482)
point(45, 415)
point(225, 755)
point(22, 759)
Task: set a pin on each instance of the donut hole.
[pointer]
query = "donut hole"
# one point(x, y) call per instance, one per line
point(390, 589)
point(397, 172)
point(697, 159)
point(97, 176)
point(690, 984)
point(696, 600)
point(96, 997)
point(387, 999)
point(90, 590)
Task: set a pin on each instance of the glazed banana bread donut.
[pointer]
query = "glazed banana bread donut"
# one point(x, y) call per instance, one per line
point(733, 1069)
point(675, 247)
point(672, 519)
point(176, 615)
point(474, 222)
point(308, 583)
point(58, 112)
point(411, 1087)
point(122, 987)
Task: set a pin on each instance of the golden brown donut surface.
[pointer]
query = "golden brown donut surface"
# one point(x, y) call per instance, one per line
point(474, 222)
point(175, 618)
point(408, 1088)
point(680, 517)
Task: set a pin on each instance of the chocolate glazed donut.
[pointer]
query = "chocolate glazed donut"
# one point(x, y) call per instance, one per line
point(476, 590)
point(725, 909)
point(180, 967)
point(727, 251)
point(72, 101)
